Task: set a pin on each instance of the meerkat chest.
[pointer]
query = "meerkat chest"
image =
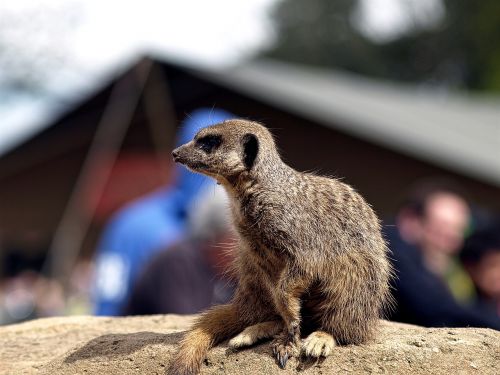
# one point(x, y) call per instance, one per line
point(265, 264)
point(263, 221)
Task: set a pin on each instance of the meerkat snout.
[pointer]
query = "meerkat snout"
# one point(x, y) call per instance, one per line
point(188, 156)
point(175, 155)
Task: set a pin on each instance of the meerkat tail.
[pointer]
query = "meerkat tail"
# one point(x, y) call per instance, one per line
point(255, 333)
point(214, 326)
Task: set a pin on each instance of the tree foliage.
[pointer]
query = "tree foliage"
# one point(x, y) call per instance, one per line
point(463, 50)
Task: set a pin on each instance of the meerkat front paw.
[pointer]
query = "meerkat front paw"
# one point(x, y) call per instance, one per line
point(255, 333)
point(285, 347)
point(318, 344)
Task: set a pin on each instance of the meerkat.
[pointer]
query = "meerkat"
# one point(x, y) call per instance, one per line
point(311, 257)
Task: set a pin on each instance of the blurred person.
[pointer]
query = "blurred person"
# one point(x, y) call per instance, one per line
point(193, 274)
point(3, 313)
point(481, 257)
point(80, 283)
point(49, 297)
point(429, 231)
point(144, 227)
point(442, 217)
point(18, 299)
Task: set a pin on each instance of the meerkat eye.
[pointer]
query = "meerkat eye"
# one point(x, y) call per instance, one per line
point(209, 143)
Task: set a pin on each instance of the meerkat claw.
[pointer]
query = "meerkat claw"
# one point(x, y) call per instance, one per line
point(283, 350)
point(282, 360)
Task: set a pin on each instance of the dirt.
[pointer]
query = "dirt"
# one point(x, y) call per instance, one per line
point(144, 345)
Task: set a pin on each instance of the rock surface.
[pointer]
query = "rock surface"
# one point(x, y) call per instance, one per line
point(144, 345)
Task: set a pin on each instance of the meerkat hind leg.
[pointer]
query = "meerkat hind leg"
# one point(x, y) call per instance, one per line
point(318, 344)
point(255, 333)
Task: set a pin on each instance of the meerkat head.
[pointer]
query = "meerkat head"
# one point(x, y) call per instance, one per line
point(226, 150)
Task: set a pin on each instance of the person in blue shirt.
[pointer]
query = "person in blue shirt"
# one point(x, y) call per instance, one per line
point(146, 226)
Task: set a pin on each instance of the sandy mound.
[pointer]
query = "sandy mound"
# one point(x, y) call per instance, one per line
point(144, 345)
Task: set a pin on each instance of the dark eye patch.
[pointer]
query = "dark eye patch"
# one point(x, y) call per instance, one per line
point(209, 143)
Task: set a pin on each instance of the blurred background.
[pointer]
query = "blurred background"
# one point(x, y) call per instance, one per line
point(399, 98)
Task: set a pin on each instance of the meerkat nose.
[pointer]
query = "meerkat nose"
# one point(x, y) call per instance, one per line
point(175, 155)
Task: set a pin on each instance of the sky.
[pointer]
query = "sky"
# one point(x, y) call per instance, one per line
point(95, 37)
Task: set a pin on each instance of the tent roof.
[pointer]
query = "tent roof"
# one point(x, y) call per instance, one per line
point(456, 131)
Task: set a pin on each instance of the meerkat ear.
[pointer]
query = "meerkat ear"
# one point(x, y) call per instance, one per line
point(250, 149)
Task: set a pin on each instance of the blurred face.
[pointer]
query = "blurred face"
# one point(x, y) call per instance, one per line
point(444, 223)
point(486, 274)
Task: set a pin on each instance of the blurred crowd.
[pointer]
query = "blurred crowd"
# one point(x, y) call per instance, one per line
point(171, 252)
point(28, 294)
point(444, 256)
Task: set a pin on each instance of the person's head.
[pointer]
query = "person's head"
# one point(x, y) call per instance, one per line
point(210, 227)
point(435, 217)
point(481, 258)
point(208, 215)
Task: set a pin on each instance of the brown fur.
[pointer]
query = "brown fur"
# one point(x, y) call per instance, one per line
point(310, 254)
